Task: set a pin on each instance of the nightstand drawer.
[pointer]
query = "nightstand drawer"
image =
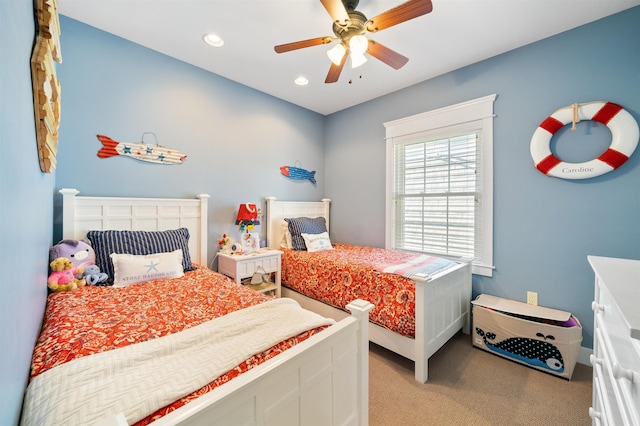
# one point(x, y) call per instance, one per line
point(242, 266)
point(246, 268)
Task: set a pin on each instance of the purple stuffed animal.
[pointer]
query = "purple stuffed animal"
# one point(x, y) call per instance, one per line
point(79, 252)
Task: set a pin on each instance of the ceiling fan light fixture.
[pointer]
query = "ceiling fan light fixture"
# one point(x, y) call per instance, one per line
point(336, 53)
point(357, 59)
point(213, 40)
point(349, 27)
point(358, 44)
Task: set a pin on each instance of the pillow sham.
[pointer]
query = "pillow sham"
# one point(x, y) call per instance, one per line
point(285, 242)
point(139, 243)
point(132, 269)
point(308, 225)
point(317, 242)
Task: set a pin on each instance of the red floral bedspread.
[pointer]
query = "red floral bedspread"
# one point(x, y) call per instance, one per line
point(97, 319)
point(338, 276)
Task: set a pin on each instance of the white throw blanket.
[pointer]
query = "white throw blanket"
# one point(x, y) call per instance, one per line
point(419, 265)
point(139, 379)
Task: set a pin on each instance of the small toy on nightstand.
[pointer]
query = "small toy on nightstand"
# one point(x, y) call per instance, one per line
point(226, 244)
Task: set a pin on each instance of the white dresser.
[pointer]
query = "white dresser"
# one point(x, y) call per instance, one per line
point(616, 342)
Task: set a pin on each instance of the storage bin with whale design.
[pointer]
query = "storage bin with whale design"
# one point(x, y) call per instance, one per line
point(539, 337)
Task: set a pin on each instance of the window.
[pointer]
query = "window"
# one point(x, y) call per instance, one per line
point(440, 183)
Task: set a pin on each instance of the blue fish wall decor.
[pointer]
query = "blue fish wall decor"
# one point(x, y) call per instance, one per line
point(531, 351)
point(298, 173)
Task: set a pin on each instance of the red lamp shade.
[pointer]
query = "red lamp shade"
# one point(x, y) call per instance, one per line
point(247, 214)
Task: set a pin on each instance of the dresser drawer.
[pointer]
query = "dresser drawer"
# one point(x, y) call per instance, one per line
point(607, 389)
point(601, 410)
point(620, 355)
point(616, 344)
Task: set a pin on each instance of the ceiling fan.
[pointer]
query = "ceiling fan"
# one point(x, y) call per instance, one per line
point(349, 26)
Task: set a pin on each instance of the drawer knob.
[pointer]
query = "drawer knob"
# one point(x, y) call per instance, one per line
point(594, 414)
point(596, 307)
point(621, 372)
point(594, 360)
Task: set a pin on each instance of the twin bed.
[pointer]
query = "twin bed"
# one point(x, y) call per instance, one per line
point(166, 351)
point(413, 316)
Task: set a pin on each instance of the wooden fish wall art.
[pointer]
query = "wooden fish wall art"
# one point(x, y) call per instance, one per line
point(139, 151)
point(297, 173)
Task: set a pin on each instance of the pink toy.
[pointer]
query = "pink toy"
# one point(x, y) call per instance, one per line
point(62, 277)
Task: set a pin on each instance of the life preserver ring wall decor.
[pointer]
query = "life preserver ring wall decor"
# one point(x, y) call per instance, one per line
point(624, 139)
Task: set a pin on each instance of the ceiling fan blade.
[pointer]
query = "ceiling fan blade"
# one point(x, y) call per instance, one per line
point(337, 11)
point(302, 44)
point(386, 55)
point(335, 70)
point(404, 12)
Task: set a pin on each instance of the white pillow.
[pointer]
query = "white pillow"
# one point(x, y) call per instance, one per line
point(317, 242)
point(131, 269)
point(285, 242)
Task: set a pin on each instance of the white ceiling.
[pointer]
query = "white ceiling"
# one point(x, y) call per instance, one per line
point(455, 34)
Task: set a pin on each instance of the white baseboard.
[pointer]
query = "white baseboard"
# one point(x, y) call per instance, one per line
point(584, 355)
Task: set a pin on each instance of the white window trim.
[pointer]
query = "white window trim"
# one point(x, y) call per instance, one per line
point(480, 109)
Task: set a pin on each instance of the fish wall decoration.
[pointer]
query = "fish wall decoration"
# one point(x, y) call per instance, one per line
point(297, 173)
point(139, 151)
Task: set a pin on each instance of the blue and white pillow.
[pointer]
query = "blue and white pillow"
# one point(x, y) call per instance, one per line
point(307, 225)
point(105, 243)
point(132, 269)
point(317, 242)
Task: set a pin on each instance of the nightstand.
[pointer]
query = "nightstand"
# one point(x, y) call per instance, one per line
point(241, 266)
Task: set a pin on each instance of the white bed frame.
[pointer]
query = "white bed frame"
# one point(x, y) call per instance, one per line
point(443, 301)
point(322, 380)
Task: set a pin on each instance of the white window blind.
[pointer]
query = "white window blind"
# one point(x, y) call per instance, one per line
point(439, 180)
point(437, 195)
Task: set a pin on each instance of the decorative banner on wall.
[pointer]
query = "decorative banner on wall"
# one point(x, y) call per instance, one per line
point(46, 87)
point(151, 153)
point(297, 173)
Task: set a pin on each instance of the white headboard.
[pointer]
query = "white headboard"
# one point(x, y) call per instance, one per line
point(278, 210)
point(81, 214)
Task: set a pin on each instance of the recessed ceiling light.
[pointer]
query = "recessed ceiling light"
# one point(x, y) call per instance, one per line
point(213, 40)
point(301, 81)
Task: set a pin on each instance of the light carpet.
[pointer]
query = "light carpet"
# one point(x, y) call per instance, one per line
point(468, 386)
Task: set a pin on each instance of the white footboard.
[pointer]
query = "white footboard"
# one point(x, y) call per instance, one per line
point(443, 303)
point(323, 380)
point(443, 306)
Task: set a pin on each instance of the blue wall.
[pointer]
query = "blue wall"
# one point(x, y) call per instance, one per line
point(544, 227)
point(26, 212)
point(235, 138)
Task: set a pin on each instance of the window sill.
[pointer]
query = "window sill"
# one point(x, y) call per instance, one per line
point(480, 269)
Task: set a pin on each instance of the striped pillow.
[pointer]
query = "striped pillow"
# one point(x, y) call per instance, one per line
point(105, 243)
point(306, 225)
